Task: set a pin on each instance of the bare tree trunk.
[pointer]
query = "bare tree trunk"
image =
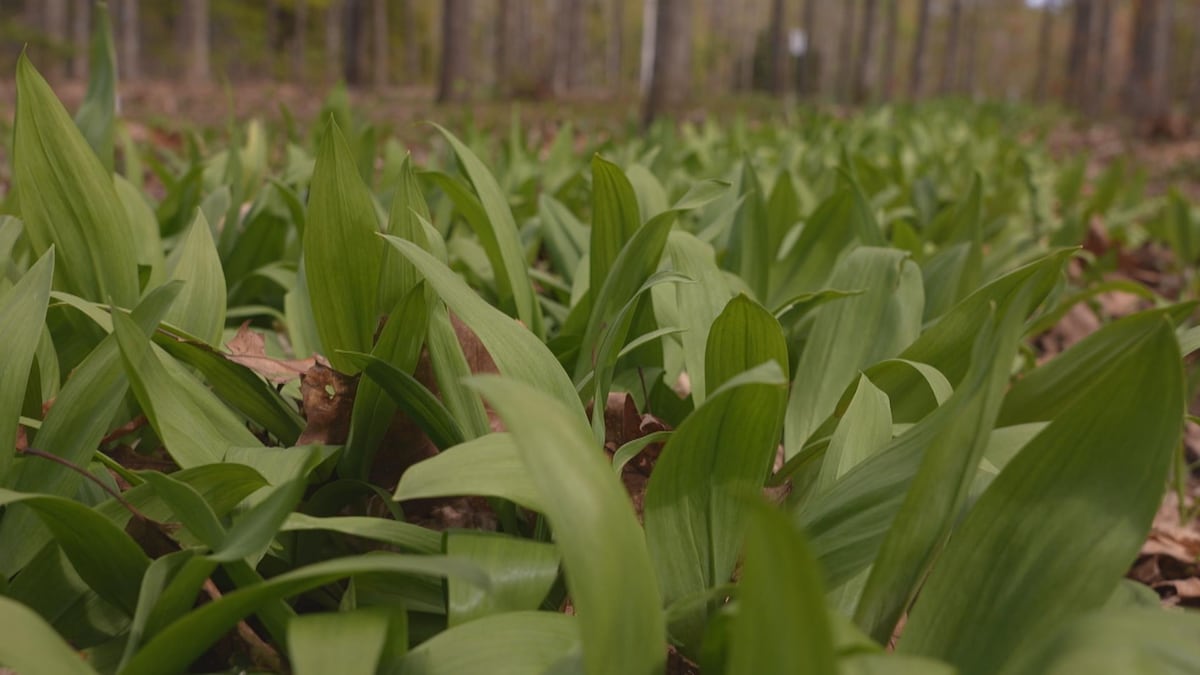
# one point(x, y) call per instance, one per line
point(55, 27)
point(412, 54)
point(862, 65)
point(568, 44)
point(300, 42)
point(1077, 80)
point(1193, 93)
point(352, 69)
point(1097, 94)
point(778, 47)
point(649, 30)
point(1145, 87)
point(810, 69)
point(1045, 35)
point(81, 22)
point(888, 71)
point(614, 63)
point(452, 81)
point(130, 45)
point(1164, 58)
point(950, 57)
point(196, 22)
point(501, 47)
point(966, 77)
point(333, 39)
point(379, 42)
point(917, 78)
point(845, 64)
point(670, 78)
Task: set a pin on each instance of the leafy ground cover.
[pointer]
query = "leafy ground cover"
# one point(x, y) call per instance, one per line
point(820, 396)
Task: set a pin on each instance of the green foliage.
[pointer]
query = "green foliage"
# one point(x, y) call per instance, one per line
point(752, 393)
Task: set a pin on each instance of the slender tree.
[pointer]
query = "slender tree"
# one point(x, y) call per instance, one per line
point(950, 57)
point(1077, 80)
point(197, 36)
point(1193, 93)
point(967, 81)
point(1097, 95)
point(1045, 36)
point(352, 43)
point(455, 42)
point(778, 47)
point(568, 44)
point(54, 24)
point(917, 78)
point(888, 72)
point(810, 77)
point(1145, 85)
point(614, 61)
point(379, 42)
point(300, 42)
point(412, 54)
point(669, 80)
point(862, 65)
point(81, 22)
point(845, 64)
point(333, 39)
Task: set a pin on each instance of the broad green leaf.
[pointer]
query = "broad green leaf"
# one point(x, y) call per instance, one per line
point(852, 334)
point(517, 352)
point(200, 307)
point(865, 428)
point(489, 466)
point(22, 315)
point(1063, 520)
point(515, 643)
point(450, 368)
point(615, 219)
point(252, 533)
point(397, 275)
point(97, 116)
point(341, 250)
point(395, 533)
point(750, 248)
point(103, 555)
point(521, 571)
point(565, 237)
point(72, 430)
point(940, 487)
point(507, 255)
point(31, 646)
point(145, 231)
point(342, 642)
point(193, 424)
point(892, 664)
point(782, 624)
point(698, 303)
point(603, 547)
point(177, 645)
point(413, 399)
point(810, 259)
point(67, 198)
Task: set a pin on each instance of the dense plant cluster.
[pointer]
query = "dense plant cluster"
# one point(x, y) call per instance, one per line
point(757, 399)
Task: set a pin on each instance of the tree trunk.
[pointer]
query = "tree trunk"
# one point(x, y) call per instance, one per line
point(1145, 87)
point(810, 76)
point(778, 50)
point(1097, 95)
point(129, 46)
point(352, 69)
point(568, 45)
point(453, 79)
point(55, 27)
point(670, 77)
point(967, 81)
point(1193, 93)
point(81, 22)
point(649, 31)
point(917, 78)
point(1077, 80)
point(616, 45)
point(845, 63)
point(863, 57)
point(412, 54)
point(1045, 35)
point(888, 72)
point(333, 39)
point(379, 42)
point(501, 47)
point(196, 22)
point(950, 58)
point(300, 42)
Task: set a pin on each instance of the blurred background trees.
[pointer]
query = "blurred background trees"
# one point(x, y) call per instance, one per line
point(1140, 57)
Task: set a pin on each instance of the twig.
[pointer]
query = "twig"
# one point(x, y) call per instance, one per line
point(125, 429)
point(86, 474)
point(262, 653)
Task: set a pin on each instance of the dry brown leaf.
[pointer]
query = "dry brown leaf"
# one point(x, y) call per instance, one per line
point(248, 348)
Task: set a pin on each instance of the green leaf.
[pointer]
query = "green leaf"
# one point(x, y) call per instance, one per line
point(517, 352)
point(851, 334)
point(521, 571)
point(194, 425)
point(200, 307)
point(782, 624)
point(178, 644)
point(96, 118)
point(31, 646)
point(413, 399)
point(489, 466)
point(72, 430)
point(603, 547)
point(22, 315)
point(67, 198)
point(252, 533)
point(103, 555)
point(342, 252)
point(1063, 520)
point(341, 642)
point(699, 303)
point(502, 242)
point(615, 218)
point(408, 209)
point(450, 368)
point(515, 643)
point(396, 533)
